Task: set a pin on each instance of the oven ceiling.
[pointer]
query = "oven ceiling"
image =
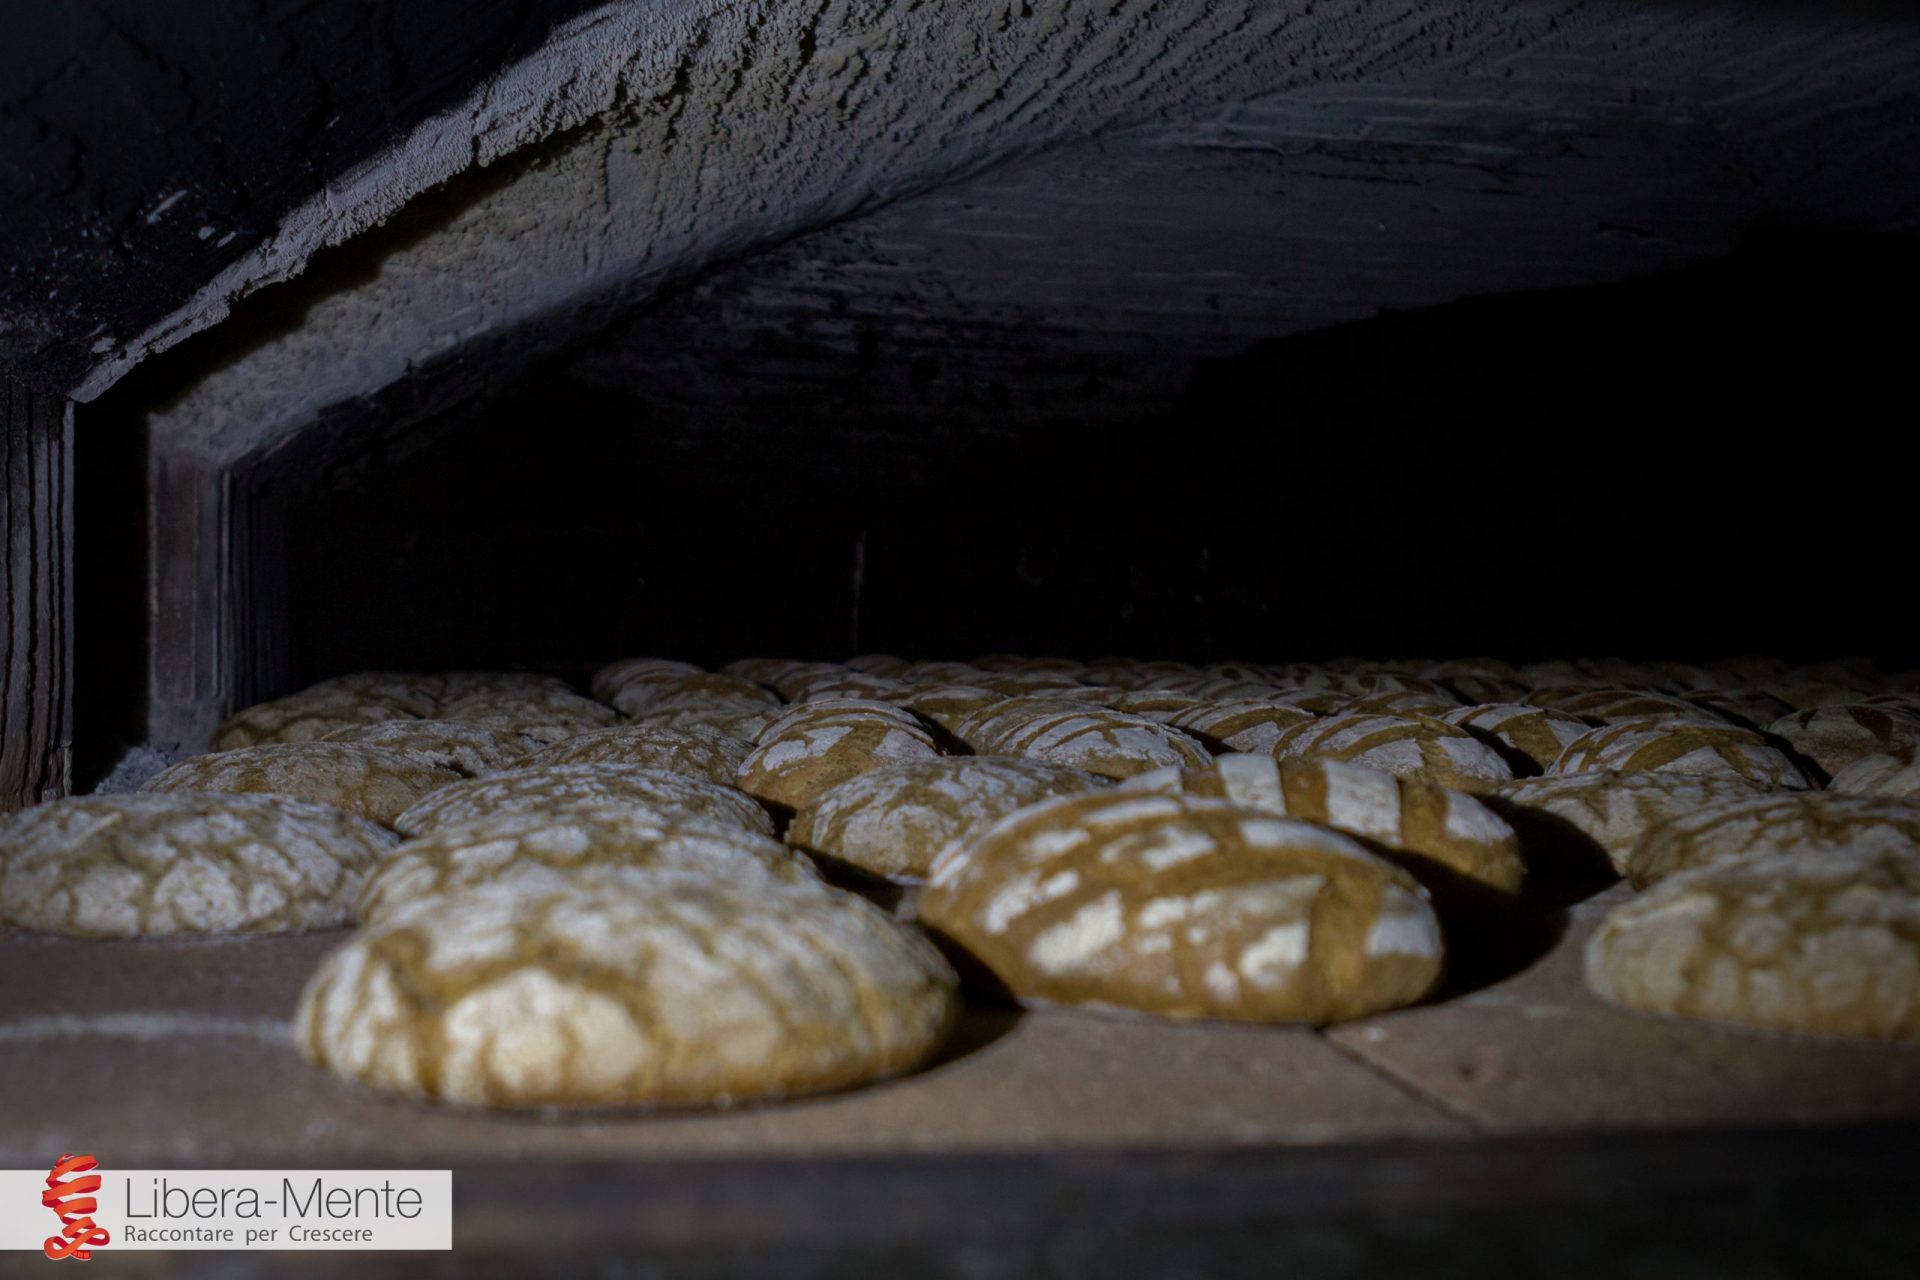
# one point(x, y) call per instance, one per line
point(156, 166)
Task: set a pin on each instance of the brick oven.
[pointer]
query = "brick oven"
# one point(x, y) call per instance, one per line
point(347, 337)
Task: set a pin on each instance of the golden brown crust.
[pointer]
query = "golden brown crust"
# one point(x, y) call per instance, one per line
point(1185, 907)
point(1445, 838)
point(1405, 746)
point(1673, 745)
point(1820, 943)
point(535, 848)
point(554, 789)
point(143, 865)
point(628, 988)
point(1799, 822)
point(377, 783)
point(896, 821)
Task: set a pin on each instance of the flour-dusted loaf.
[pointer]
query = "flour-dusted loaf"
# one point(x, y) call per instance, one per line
point(947, 705)
point(1793, 823)
point(1405, 746)
point(1607, 705)
point(1110, 743)
point(740, 720)
point(638, 673)
point(628, 987)
point(554, 789)
point(1447, 839)
point(1748, 708)
point(304, 717)
point(1529, 739)
point(377, 783)
point(419, 694)
point(1878, 776)
point(805, 754)
point(530, 849)
point(1681, 746)
point(1606, 813)
point(639, 698)
point(1187, 908)
point(184, 862)
point(894, 822)
point(695, 749)
point(1240, 725)
point(471, 748)
point(1833, 737)
point(550, 715)
point(1818, 943)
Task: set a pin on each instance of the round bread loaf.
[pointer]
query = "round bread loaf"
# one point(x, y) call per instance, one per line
point(627, 988)
point(1447, 839)
point(896, 821)
point(615, 676)
point(1188, 908)
point(377, 783)
point(740, 720)
point(1606, 706)
point(555, 789)
point(1481, 690)
point(1878, 776)
point(695, 749)
point(534, 848)
point(986, 728)
point(766, 671)
point(418, 695)
point(1833, 737)
point(1681, 746)
point(1529, 739)
point(1607, 813)
point(1109, 743)
point(811, 712)
point(529, 686)
point(470, 748)
point(1823, 943)
point(303, 717)
point(1800, 822)
point(147, 865)
point(551, 715)
point(1403, 702)
point(947, 705)
point(639, 698)
point(1405, 746)
point(1153, 704)
point(801, 757)
point(1244, 725)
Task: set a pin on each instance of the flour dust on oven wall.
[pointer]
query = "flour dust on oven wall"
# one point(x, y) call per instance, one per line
point(1231, 637)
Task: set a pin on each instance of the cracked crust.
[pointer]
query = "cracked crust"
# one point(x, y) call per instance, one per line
point(377, 783)
point(148, 865)
point(1710, 748)
point(1608, 705)
point(697, 750)
point(1441, 836)
point(1405, 746)
point(304, 717)
point(802, 756)
point(1820, 943)
point(1803, 822)
point(1188, 908)
point(555, 789)
point(1608, 811)
point(628, 988)
point(1241, 724)
point(1051, 730)
point(1834, 737)
point(471, 748)
point(531, 849)
point(1529, 738)
point(896, 821)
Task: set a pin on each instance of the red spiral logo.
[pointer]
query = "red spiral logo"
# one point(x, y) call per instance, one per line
point(75, 1202)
